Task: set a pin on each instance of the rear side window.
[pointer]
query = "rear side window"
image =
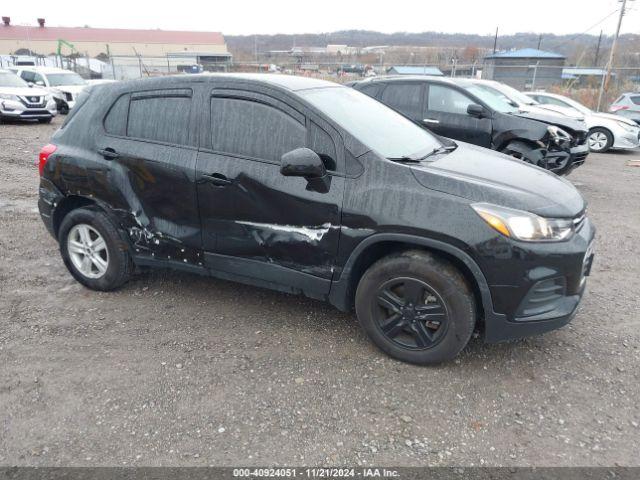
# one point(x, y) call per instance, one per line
point(447, 100)
point(404, 97)
point(160, 117)
point(371, 90)
point(635, 99)
point(252, 129)
point(115, 123)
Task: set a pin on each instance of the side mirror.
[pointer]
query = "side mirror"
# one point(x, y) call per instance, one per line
point(302, 162)
point(30, 84)
point(476, 110)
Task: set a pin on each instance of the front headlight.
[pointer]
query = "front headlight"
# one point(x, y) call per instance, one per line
point(559, 136)
point(8, 96)
point(524, 226)
point(626, 127)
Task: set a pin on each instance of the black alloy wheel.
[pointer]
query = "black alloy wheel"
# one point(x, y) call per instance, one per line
point(410, 313)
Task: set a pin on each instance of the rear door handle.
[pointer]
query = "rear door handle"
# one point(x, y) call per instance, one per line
point(109, 153)
point(430, 120)
point(217, 179)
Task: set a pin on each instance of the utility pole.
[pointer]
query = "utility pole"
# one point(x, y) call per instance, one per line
point(539, 41)
point(612, 55)
point(495, 41)
point(595, 63)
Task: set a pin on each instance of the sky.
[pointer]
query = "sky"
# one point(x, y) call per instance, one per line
point(246, 17)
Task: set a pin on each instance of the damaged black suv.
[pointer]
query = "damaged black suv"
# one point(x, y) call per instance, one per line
point(475, 111)
point(309, 187)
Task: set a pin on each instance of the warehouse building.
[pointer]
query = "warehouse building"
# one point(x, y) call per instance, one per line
point(177, 47)
point(527, 68)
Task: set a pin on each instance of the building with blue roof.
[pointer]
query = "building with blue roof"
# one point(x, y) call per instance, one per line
point(524, 69)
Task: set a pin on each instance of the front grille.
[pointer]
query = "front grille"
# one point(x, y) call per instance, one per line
point(579, 158)
point(35, 113)
point(33, 101)
point(542, 298)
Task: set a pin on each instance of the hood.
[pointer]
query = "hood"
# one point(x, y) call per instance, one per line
point(552, 118)
point(482, 175)
point(566, 112)
point(615, 118)
point(74, 89)
point(24, 91)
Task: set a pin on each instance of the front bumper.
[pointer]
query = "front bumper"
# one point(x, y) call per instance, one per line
point(543, 288)
point(17, 110)
point(626, 140)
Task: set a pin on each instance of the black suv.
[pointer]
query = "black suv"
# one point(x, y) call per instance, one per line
point(472, 111)
point(309, 187)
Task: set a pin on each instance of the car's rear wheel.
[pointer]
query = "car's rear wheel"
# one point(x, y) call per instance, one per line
point(92, 250)
point(416, 307)
point(600, 140)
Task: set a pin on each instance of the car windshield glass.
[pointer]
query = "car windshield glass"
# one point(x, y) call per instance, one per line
point(374, 124)
point(515, 95)
point(57, 79)
point(8, 79)
point(493, 98)
point(576, 105)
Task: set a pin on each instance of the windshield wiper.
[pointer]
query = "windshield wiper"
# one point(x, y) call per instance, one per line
point(418, 157)
point(439, 150)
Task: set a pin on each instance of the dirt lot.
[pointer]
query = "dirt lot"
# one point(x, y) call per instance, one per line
point(175, 369)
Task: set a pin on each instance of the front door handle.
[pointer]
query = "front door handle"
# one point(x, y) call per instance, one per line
point(109, 153)
point(217, 179)
point(431, 121)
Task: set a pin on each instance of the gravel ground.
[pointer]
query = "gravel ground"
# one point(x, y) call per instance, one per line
point(175, 369)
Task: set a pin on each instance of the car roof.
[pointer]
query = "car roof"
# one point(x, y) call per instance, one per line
point(43, 69)
point(430, 78)
point(287, 82)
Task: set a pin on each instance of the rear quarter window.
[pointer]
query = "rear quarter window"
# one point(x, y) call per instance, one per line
point(161, 117)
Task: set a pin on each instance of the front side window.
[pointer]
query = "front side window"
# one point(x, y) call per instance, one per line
point(635, 99)
point(161, 118)
point(493, 98)
point(28, 76)
point(322, 143)
point(404, 97)
point(251, 129)
point(371, 122)
point(447, 100)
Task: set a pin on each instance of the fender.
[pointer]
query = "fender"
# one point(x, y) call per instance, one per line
point(533, 155)
point(339, 294)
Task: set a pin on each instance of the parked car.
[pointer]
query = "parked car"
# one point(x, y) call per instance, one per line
point(306, 186)
point(471, 111)
point(19, 101)
point(64, 85)
point(627, 106)
point(605, 130)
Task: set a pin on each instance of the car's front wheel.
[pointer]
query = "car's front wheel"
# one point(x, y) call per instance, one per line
point(92, 250)
point(600, 140)
point(416, 307)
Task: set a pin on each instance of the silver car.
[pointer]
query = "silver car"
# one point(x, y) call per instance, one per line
point(606, 131)
point(21, 102)
point(628, 106)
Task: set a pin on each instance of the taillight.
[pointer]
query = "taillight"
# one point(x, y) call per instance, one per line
point(44, 156)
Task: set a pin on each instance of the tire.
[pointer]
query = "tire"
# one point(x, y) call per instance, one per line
point(45, 120)
point(600, 140)
point(428, 294)
point(116, 266)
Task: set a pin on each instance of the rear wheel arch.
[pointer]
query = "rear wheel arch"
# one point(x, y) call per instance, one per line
point(383, 245)
point(67, 205)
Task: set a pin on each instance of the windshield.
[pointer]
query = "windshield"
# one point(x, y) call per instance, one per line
point(374, 124)
point(8, 79)
point(58, 79)
point(571, 103)
point(514, 95)
point(493, 98)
